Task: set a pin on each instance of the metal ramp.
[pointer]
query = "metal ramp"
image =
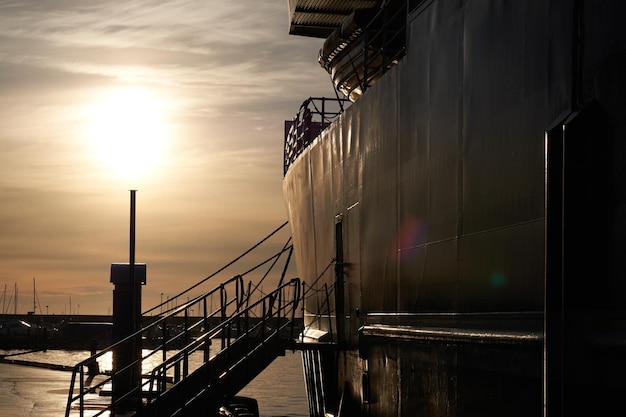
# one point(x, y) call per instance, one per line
point(221, 378)
point(193, 358)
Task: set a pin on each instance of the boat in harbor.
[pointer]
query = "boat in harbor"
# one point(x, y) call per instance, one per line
point(17, 327)
point(459, 224)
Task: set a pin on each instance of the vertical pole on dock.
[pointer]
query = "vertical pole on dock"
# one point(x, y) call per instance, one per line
point(136, 302)
point(131, 256)
point(128, 279)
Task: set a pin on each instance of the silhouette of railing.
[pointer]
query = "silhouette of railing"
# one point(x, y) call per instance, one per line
point(249, 335)
point(315, 115)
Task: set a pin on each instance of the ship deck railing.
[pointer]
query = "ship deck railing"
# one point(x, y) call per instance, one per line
point(315, 115)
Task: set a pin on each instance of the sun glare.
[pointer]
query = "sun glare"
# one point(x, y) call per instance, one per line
point(128, 132)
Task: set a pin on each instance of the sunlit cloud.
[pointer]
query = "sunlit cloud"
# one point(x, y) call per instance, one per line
point(227, 79)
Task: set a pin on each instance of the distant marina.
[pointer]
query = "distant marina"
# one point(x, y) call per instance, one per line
point(69, 332)
point(11, 304)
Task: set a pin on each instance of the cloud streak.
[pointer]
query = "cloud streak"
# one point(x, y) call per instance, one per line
point(228, 75)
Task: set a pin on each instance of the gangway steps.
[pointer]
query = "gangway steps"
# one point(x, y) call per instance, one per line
point(220, 378)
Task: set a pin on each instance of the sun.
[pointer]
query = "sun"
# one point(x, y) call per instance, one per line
point(128, 132)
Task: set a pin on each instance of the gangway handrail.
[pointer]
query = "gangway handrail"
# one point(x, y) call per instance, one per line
point(79, 367)
point(274, 307)
point(163, 318)
point(225, 328)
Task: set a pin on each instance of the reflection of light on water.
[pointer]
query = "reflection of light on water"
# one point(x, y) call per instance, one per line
point(195, 360)
point(283, 376)
point(56, 357)
point(105, 362)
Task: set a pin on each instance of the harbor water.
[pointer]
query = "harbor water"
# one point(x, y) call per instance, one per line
point(39, 392)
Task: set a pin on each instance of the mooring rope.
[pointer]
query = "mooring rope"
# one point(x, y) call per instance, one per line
point(219, 270)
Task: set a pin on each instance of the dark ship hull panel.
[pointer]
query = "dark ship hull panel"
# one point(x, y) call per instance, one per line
point(436, 181)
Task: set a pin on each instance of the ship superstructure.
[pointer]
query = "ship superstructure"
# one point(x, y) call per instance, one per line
point(462, 221)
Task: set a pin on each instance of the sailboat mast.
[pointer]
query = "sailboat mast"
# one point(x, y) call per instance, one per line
point(34, 300)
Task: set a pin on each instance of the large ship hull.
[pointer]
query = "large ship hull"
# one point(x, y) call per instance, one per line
point(460, 225)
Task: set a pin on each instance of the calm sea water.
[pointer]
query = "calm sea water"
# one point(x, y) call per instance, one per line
point(38, 392)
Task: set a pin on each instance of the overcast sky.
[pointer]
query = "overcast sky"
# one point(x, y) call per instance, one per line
point(197, 91)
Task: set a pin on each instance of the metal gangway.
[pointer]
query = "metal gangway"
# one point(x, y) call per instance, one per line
point(192, 358)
